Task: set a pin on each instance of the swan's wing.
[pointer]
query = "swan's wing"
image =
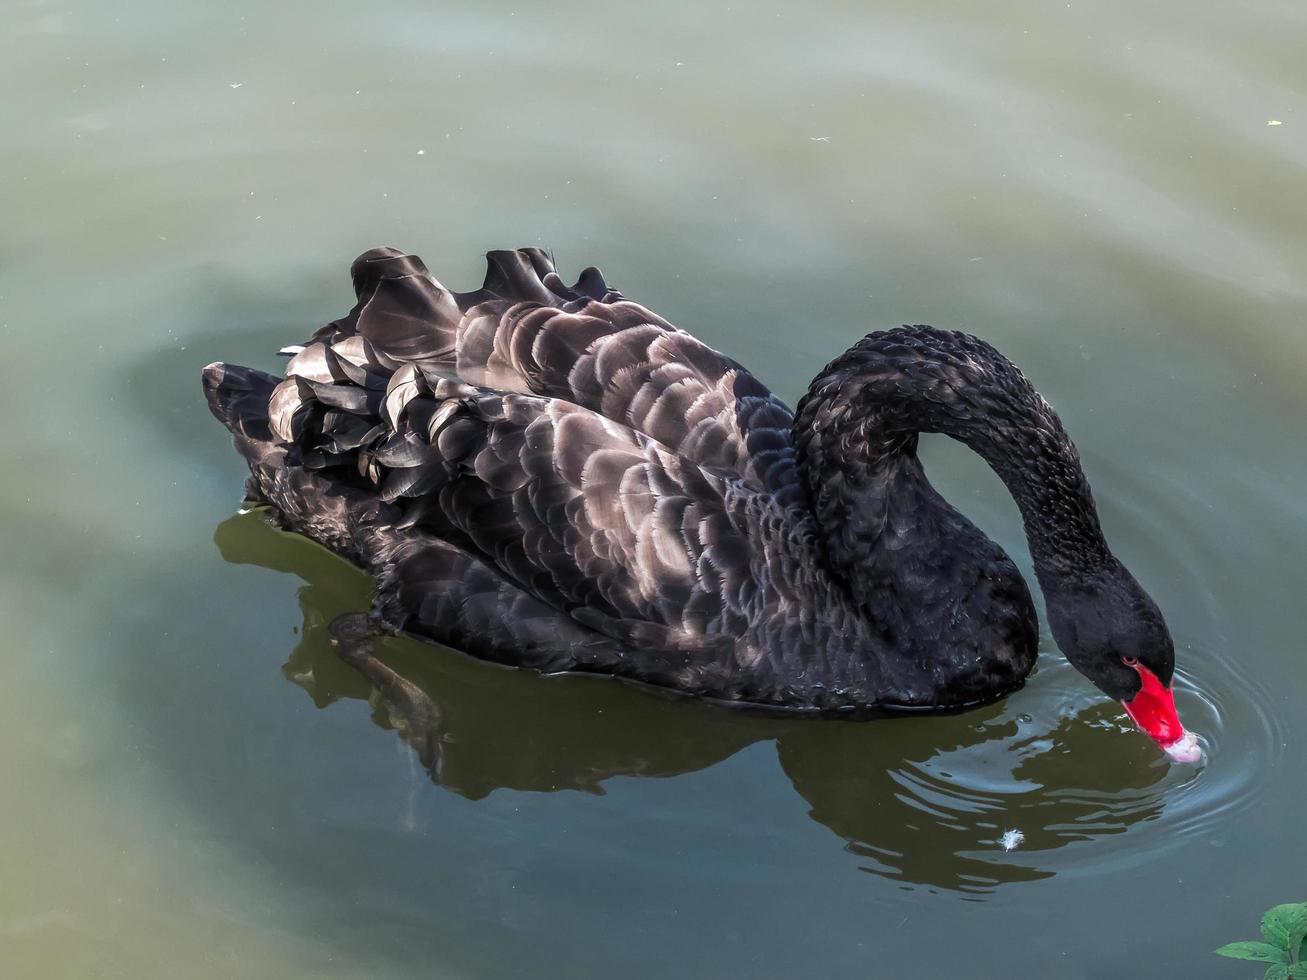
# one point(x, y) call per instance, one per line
point(526, 331)
point(587, 515)
point(434, 589)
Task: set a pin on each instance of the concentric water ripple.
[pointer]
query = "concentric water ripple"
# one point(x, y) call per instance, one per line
point(1069, 771)
point(924, 800)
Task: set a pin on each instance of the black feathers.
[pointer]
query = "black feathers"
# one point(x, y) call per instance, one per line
point(554, 476)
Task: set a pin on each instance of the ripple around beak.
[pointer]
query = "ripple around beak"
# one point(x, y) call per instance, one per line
point(1185, 749)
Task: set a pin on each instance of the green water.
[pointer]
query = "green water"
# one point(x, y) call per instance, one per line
point(194, 785)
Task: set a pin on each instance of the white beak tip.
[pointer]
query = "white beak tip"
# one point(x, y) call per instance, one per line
point(1185, 749)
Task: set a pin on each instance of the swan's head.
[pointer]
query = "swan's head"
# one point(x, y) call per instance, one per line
point(1114, 634)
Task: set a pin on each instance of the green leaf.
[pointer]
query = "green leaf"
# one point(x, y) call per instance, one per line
point(1277, 972)
point(1262, 952)
point(1298, 971)
point(1285, 925)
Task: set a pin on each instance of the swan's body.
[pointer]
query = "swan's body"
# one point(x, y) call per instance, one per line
point(555, 477)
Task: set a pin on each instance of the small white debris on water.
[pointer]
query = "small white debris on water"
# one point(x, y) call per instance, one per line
point(235, 84)
point(1274, 122)
point(819, 139)
point(1011, 839)
point(422, 153)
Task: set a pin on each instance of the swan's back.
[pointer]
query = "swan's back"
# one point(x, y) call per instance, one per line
point(524, 330)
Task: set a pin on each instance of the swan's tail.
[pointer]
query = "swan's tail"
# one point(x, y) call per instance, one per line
point(238, 398)
point(303, 500)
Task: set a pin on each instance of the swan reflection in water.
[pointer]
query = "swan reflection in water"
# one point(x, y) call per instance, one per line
point(920, 800)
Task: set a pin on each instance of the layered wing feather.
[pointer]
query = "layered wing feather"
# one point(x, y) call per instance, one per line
point(468, 504)
point(526, 331)
point(602, 522)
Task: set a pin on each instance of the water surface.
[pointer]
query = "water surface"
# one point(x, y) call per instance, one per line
point(196, 784)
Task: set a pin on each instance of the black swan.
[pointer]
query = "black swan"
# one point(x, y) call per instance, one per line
point(554, 477)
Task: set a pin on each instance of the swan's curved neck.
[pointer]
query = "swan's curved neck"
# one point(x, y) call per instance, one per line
point(856, 436)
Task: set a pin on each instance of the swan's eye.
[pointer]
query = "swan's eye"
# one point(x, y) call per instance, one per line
point(1130, 661)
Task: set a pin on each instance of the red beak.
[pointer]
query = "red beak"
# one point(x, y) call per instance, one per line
point(1153, 710)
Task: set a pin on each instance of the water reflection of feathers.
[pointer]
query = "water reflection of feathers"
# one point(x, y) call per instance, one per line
point(923, 801)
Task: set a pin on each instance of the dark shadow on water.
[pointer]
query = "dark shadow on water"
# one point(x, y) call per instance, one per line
point(922, 801)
